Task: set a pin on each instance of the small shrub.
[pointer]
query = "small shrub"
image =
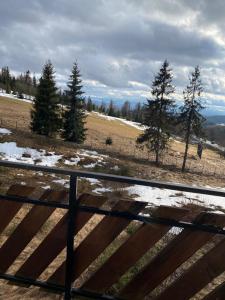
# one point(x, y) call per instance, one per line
point(108, 141)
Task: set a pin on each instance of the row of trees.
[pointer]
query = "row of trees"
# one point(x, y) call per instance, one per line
point(160, 115)
point(56, 112)
point(22, 84)
point(126, 111)
point(49, 117)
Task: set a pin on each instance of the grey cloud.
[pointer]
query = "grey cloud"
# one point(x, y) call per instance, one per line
point(115, 42)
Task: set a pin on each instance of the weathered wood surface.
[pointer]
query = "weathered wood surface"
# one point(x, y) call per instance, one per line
point(132, 250)
point(141, 240)
point(55, 241)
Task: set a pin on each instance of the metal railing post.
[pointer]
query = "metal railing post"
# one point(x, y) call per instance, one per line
point(70, 236)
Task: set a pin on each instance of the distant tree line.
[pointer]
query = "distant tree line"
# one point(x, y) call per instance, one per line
point(126, 111)
point(23, 84)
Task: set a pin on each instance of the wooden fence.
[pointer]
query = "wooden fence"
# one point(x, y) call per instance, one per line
point(99, 249)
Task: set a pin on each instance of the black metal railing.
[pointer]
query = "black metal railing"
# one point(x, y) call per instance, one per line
point(73, 206)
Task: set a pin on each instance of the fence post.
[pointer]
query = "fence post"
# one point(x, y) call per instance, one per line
point(73, 203)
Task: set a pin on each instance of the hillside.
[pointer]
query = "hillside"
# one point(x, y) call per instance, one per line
point(215, 120)
point(15, 115)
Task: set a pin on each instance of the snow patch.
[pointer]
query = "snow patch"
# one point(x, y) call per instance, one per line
point(156, 196)
point(11, 152)
point(47, 187)
point(5, 131)
point(130, 123)
point(72, 162)
point(93, 181)
point(90, 166)
point(101, 190)
point(27, 98)
point(64, 182)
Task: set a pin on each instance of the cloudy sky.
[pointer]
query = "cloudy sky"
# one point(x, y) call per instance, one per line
point(120, 44)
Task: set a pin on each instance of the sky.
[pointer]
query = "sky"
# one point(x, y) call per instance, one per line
point(119, 45)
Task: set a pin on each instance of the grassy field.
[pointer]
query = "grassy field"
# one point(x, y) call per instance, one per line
point(15, 114)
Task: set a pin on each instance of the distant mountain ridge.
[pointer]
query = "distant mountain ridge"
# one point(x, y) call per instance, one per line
point(215, 120)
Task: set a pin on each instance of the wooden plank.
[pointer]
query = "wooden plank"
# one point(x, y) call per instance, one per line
point(171, 257)
point(8, 209)
point(217, 294)
point(132, 250)
point(97, 240)
point(211, 265)
point(27, 229)
point(55, 241)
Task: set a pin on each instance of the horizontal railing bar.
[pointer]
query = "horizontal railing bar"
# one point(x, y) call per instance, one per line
point(126, 215)
point(92, 295)
point(53, 287)
point(33, 201)
point(150, 220)
point(30, 281)
point(122, 179)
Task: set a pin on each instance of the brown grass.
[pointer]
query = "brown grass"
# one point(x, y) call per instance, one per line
point(123, 147)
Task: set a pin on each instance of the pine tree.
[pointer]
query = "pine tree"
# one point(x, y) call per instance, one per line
point(158, 113)
point(74, 118)
point(102, 108)
point(126, 110)
point(34, 80)
point(89, 104)
point(190, 118)
point(111, 110)
point(137, 113)
point(45, 115)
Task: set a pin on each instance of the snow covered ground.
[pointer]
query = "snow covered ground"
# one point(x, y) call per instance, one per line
point(27, 98)
point(11, 152)
point(130, 123)
point(4, 131)
point(80, 156)
point(156, 196)
point(216, 146)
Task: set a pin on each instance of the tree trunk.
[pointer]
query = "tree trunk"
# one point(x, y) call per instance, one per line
point(186, 149)
point(157, 157)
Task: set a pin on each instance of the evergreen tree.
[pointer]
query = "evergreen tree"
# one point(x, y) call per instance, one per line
point(158, 113)
point(190, 118)
point(23, 84)
point(126, 110)
point(111, 110)
point(137, 113)
point(45, 115)
point(34, 80)
point(102, 108)
point(89, 104)
point(74, 118)
point(6, 79)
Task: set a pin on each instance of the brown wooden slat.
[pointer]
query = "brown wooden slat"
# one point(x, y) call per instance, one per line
point(55, 241)
point(8, 209)
point(211, 265)
point(132, 250)
point(217, 294)
point(171, 257)
point(27, 229)
point(97, 240)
